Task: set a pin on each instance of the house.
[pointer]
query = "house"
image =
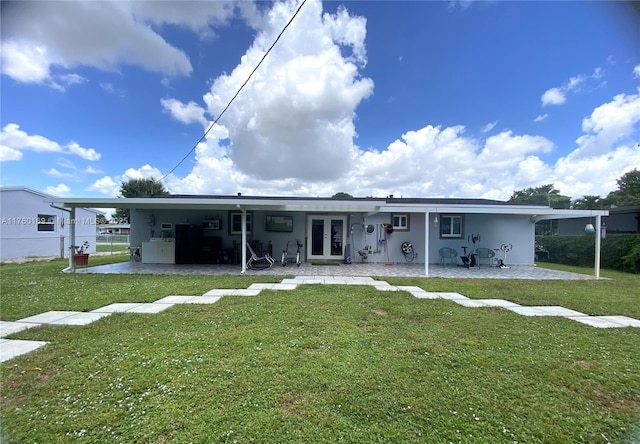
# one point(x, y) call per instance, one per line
point(31, 227)
point(213, 229)
point(113, 228)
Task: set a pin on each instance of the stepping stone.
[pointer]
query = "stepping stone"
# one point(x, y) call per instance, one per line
point(150, 308)
point(285, 287)
point(204, 300)
point(245, 292)
point(425, 295)
point(545, 311)
point(218, 292)
point(10, 348)
point(117, 308)
point(8, 328)
point(175, 300)
point(498, 303)
point(607, 321)
point(261, 286)
point(451, 296)
point(48, 317)
point(386, 287)
point(80, 318)
point(411, 288)
point(473, 303)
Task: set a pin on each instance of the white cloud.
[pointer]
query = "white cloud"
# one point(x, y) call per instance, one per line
point(144, 172)
point(60, 190)
point(302, 124)
point(111, 89)
point(553, 96)
point(14, 139)
point(105, 185)
point(636, 72)
point(110, 186)
point(189, 113)
point(41, 36)
point(558, 95)
point(541, 117)
point(8, 154)
point(55, 173)
point(608, 124)
point(489, 126)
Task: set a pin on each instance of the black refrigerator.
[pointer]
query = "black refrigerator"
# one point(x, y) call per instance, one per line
point(188, 241)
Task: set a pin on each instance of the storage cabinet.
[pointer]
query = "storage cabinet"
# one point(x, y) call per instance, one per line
point(158, 252)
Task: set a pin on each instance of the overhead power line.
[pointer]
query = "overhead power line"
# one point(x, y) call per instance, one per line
point(237, 92)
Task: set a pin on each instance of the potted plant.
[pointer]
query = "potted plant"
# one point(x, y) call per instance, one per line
point(80, 257)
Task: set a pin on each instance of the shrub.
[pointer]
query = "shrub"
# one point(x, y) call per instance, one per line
point(618, 251)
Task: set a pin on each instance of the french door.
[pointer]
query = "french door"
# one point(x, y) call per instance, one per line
point(327, 235)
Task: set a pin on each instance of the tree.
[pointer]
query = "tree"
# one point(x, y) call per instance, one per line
point(542, 195)
point(139, 188)
point(588, 202)
point(628, 192)
point(342, 195)
point(101, 219)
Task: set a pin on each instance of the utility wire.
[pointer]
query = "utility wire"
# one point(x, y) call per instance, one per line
point(237, 92)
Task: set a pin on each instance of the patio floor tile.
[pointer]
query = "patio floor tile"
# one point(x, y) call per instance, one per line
point(10, 348)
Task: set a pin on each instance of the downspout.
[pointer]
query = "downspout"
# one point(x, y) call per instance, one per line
point(598, 241)
point(427, 217)
point(72, 237)
point(243, 222)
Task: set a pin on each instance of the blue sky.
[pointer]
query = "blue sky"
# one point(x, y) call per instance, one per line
point(415, 99)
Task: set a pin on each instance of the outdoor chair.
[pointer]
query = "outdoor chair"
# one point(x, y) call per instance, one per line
point(256, 262)
point(447, 253)
point(485, 253)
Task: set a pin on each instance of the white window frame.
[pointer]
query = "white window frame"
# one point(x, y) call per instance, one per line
point(400, 221)
point(451, 224)
point(235, 219)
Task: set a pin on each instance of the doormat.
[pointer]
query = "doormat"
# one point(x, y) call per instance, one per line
point(332, 263)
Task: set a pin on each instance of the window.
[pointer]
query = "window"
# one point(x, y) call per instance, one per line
point(451, 227)
point(400, 221)
point(235, 223)
point(46, 222)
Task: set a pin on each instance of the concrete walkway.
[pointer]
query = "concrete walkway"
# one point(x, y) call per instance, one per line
point(10, 348)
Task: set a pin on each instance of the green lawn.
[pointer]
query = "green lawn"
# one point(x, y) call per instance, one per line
point(319, 364)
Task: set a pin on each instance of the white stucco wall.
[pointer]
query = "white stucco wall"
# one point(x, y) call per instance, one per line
point(19, 235)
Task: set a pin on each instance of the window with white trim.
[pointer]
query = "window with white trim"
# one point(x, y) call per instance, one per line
point(400, 221)
point(235, 223)
point(451, 227)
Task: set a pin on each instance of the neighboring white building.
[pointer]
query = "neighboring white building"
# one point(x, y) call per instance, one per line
point(31, 227)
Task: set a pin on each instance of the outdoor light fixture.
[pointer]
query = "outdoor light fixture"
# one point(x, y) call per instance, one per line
point(589, 228)
point(435, 219)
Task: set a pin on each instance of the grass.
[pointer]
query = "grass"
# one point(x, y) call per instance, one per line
point(319, 364)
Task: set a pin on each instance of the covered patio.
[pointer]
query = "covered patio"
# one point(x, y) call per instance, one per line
point(341, 269)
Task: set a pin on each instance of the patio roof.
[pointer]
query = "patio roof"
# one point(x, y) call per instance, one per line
point(338, 205)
